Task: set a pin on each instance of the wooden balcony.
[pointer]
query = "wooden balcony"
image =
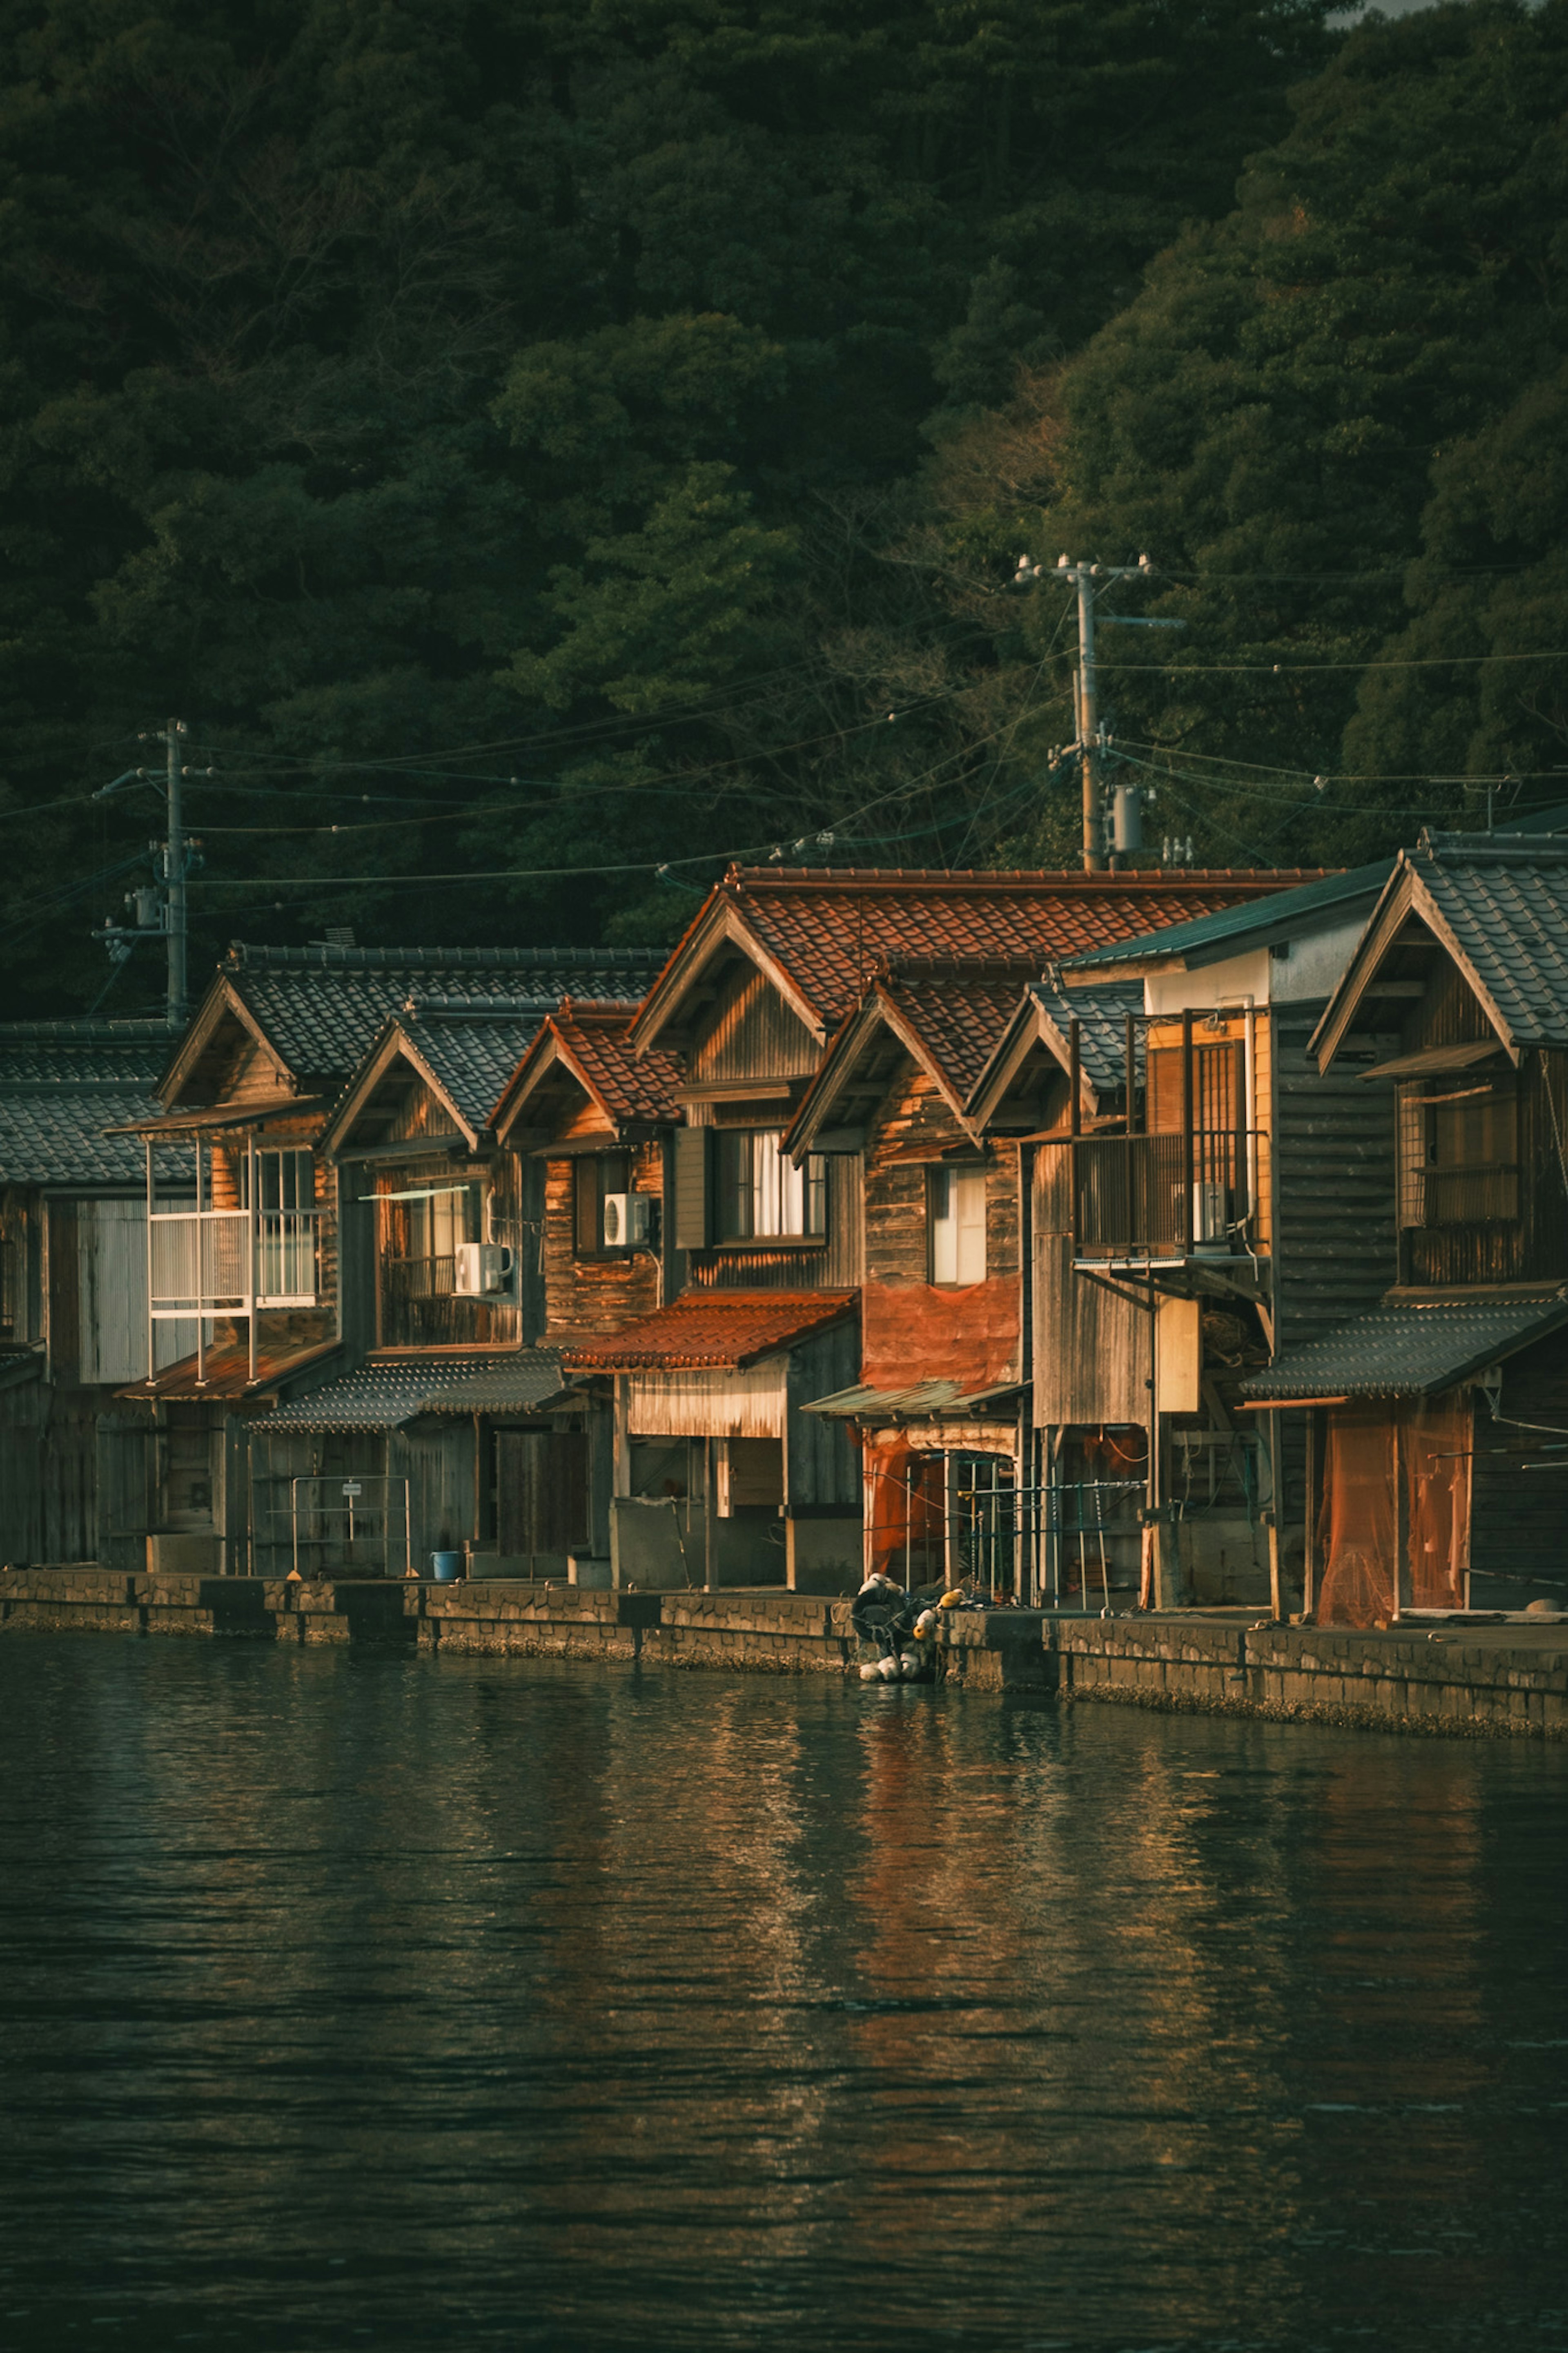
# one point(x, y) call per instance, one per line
point(1168, 1195)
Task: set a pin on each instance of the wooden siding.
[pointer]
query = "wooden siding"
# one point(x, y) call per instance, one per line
point(753, 1035)
point(588, 1296)
point(1519, 1518)
point(1533, 1246)
point(1092, 1346)
point(1335, 1187)
point(48, 1440)
point(749, 1404)
point(472, 1322)
point(821, 1462)
point(913, 1329)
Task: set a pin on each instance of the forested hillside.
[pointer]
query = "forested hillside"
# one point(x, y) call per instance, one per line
point(533, 446)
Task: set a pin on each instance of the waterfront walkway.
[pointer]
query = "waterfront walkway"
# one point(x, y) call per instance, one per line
point(1466, 1678)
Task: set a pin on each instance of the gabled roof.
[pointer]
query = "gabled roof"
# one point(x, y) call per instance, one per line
point(711, 1331)
point(62, 1084)
point(464, 1059)
point(1321, 904)
point(320, 1009)
point(1041, 1023)
point(820, 934)
point(591, 1042)
point(1410, 1347)
point(1499, 906)
point(944, 1017)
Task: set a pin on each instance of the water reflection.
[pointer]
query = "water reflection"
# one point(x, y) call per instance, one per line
point(459, 2003)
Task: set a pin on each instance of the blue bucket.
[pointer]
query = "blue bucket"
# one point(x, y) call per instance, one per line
point(445, 1568)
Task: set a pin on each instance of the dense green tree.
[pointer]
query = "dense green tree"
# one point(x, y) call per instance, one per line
point(496, 427)
point(1335, 419)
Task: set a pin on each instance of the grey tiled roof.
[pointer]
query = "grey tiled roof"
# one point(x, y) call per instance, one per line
point(385, 1395)
point(1102, 1016)
point(1410, 1348)
point(1505, 903)
point(473, 1055)
point(323, 1007)
point(61, 1085)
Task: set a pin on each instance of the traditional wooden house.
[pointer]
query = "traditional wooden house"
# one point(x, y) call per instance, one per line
point(1437, 1422)
point(73, 1267)
point(1199, 1197)
point(293, 1266)
point(770, 1221)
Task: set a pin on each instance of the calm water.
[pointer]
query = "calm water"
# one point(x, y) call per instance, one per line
point(408, 2003)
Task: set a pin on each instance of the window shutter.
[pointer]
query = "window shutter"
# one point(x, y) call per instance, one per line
point(691, 1188)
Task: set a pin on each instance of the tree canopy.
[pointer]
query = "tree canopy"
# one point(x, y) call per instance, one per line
point(542, 452)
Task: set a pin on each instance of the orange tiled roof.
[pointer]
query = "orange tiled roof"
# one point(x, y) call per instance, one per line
point(829, 929)
point(711, 1331)
point(595, 1036)
point(958, 1015)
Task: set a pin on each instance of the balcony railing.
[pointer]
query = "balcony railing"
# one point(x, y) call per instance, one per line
point(419, 1305)
point(1161, 1195)
point(202, 1261)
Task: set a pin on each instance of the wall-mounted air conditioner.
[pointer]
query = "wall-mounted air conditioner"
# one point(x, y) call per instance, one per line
point(482, 1271)
point(627, 1220)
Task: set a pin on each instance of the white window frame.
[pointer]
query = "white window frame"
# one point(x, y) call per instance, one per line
point(956, 1224)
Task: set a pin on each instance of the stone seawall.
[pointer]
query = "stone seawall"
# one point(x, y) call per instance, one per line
point(1470, 1680)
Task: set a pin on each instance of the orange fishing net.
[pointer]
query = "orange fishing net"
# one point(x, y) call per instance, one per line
point(908, 1511)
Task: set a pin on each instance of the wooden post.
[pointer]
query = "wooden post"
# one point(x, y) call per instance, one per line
point(1276, 1500)
point(1401, 1514)
point(710, 1514)
point(1075, 1125)
point(1309, 1565)
point(151, 1198)
point(1186, 1228)
point(201, 1274)
point(253, 1223)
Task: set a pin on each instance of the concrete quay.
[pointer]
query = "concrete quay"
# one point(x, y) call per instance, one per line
point(1470, 1680)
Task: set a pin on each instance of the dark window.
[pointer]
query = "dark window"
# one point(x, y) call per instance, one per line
point(1458, 1152)
point(762, 1195)
point(593, 1175)
point(8, 1311)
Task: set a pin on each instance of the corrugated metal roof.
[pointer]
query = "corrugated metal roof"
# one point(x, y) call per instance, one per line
point(225, 1374)
point(387, 1392)
point(920, 1400)
point(711, 1331)
point(62, 1085)
point(1329, 898)
point(1410, 1347)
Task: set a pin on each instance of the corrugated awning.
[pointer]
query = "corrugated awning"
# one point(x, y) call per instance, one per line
point(1432, 1061)
point(198, 1123)
point(389, 1391)
point(919, 1401)
point(712, 1331)
point(1408, 1348)
point(225, 1375)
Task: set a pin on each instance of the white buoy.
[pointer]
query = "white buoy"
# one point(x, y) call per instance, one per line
point(871, 1675)
point(890, 1671)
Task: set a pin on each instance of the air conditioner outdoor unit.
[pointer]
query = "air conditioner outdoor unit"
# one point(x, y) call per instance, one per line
point(482, 1271)
point(627, 1219)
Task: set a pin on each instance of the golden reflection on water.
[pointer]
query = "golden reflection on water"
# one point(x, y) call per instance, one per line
point(507, 2003)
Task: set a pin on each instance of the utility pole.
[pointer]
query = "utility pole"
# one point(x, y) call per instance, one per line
point(174, 861)
point(161, 915)
point(1089, 579)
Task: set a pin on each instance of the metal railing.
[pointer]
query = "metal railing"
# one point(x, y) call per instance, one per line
point(1483, 1195)
point(200, 1260)
point(1161, 1196)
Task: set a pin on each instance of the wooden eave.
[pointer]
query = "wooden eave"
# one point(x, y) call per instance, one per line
point(223, 999)
point(548, 1062)
point(856, 1074)
point(1405, 902)
point(1030, 1033)
point(395, 1045)
point(690, 983)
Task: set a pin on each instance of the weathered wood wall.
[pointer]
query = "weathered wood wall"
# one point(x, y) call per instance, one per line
point(1334, 1161)
point(586, 1295)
